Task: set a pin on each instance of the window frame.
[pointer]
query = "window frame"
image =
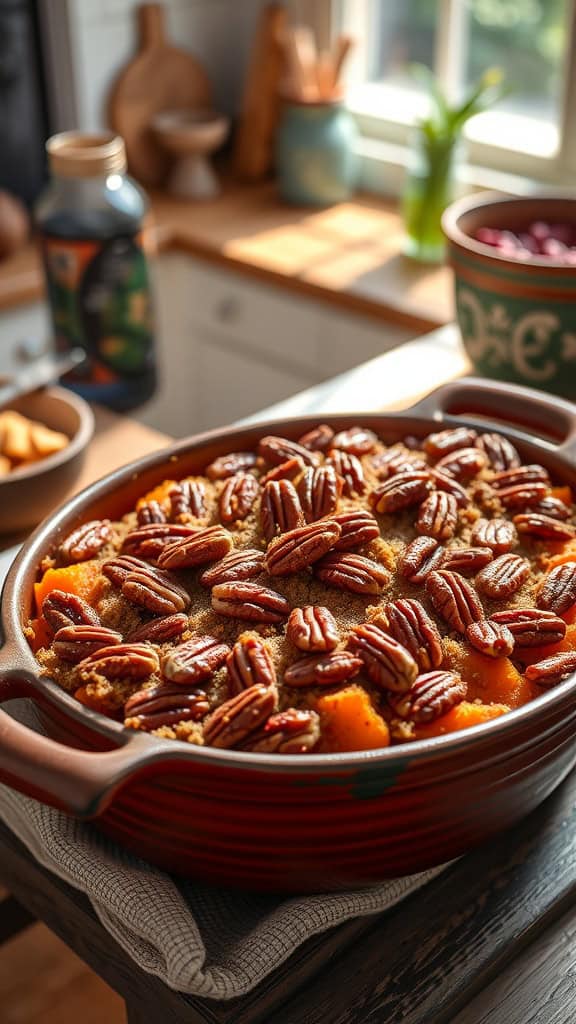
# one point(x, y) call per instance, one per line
point(385, 139)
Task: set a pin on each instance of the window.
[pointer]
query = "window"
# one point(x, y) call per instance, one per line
point(529, 132)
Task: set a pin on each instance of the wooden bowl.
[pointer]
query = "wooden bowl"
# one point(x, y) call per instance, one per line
point(271, 821)
point(29, 494)
point(517, 318)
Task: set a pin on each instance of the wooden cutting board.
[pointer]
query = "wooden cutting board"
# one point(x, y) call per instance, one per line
point(160, 77)
point(260, 103)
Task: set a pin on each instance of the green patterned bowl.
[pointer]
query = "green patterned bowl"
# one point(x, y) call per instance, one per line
point(517, 318)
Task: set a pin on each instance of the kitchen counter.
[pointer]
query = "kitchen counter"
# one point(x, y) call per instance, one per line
point(348, 255)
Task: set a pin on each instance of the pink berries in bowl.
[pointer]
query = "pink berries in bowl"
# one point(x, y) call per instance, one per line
point(555, 242)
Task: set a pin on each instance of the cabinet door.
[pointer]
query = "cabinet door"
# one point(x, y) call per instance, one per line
point(24, 334)
point(346, 341)
point(233, 385)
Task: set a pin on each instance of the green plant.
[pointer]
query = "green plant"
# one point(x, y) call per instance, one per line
point(446, 120)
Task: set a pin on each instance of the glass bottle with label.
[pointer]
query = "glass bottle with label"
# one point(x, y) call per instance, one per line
point(90, 221)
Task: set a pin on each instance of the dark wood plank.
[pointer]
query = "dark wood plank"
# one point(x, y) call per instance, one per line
point(539, 987)
point(14, 918)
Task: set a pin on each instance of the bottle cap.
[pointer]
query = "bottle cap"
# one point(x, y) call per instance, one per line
point(78, 155)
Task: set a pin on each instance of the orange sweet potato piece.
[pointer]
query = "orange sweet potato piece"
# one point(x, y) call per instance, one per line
point(159, 493)
point(562, 493)
point(349, 721)
point(560, 551)
point(491, 680)
point(41, 634)
point(79, 579)
point(463, 716)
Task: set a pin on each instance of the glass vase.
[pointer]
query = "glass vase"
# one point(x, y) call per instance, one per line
point(428, 190)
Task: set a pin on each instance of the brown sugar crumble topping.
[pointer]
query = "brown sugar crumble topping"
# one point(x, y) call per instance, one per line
point(332, 594)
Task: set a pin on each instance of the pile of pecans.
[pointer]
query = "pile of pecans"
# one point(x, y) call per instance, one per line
point(402, 548)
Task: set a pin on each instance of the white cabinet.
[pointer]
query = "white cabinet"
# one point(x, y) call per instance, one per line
point(24, 334)
point(229, 346)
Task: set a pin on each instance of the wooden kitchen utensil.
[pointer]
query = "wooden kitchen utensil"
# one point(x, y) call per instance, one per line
point(260, 104)
point(160, 77)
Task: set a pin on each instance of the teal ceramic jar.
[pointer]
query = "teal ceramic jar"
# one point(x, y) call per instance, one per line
point(517, 317)
point(315, 158)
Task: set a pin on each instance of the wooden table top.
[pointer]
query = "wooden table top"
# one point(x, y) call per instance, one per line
point(348, 255)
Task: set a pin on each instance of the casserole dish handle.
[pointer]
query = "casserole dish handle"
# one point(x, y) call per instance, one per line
point(544, 415)
point(77, 781)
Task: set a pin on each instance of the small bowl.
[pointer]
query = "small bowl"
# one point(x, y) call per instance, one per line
point(517, 317)
point(29, 494)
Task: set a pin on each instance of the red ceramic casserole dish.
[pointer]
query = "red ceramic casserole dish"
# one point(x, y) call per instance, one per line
point(275, 822)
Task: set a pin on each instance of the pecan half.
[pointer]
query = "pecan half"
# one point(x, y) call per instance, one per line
point(421, 557)
point(400, 491)
point(533, 524)
point(557, 592)
point(293, 731)
point(280, 508)
point(386, 662)
point(443, 482)
point(503, 577)
point(73, 643)
point(349, 571)
point(249, 663)
point(438, 516)
point(238, 496)
point(392, 461)
point(552, 507)
point(194, 660)
point(85, 541)
point(227, 465)
point(522, 495)
point(158, 631)
point(124, 661)
point(156, 591)
point(410, 624)
point(148, 542)
point(463, 464)
point(318, 439)
point(244, 564)
point(349, 469)
point(231, 724)
point(552, 670)
point(531, 627)
point(446, 441)
point(324, 670)
point(520, 475)
point(501, 452)
point(454, 599)
point(357, 527)
point(288, 470)
point(298, 548)
point(159, 706)
point(249, 601)
point(467, 561)
point(150, 512)
point(60, 609)
point(498, 534)
point(430, 696)
point(493, 639)
point(275, 450)
point(117, 569)
point(188, 498)
point(312, 628)
point(355, 440)
point(318, 490)
point(207, 545)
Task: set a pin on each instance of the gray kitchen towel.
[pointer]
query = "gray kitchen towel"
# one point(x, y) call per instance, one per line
point(198, 939)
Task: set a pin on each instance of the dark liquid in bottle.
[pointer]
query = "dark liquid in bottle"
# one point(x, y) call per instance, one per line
point(99, 289)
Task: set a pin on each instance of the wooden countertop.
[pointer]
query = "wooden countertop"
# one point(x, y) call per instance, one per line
point(347, 254)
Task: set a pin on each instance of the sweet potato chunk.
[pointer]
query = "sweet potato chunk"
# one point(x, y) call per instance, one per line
point(79, 579)
point(463, 716)
point(349, 721)
point(491, 680)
